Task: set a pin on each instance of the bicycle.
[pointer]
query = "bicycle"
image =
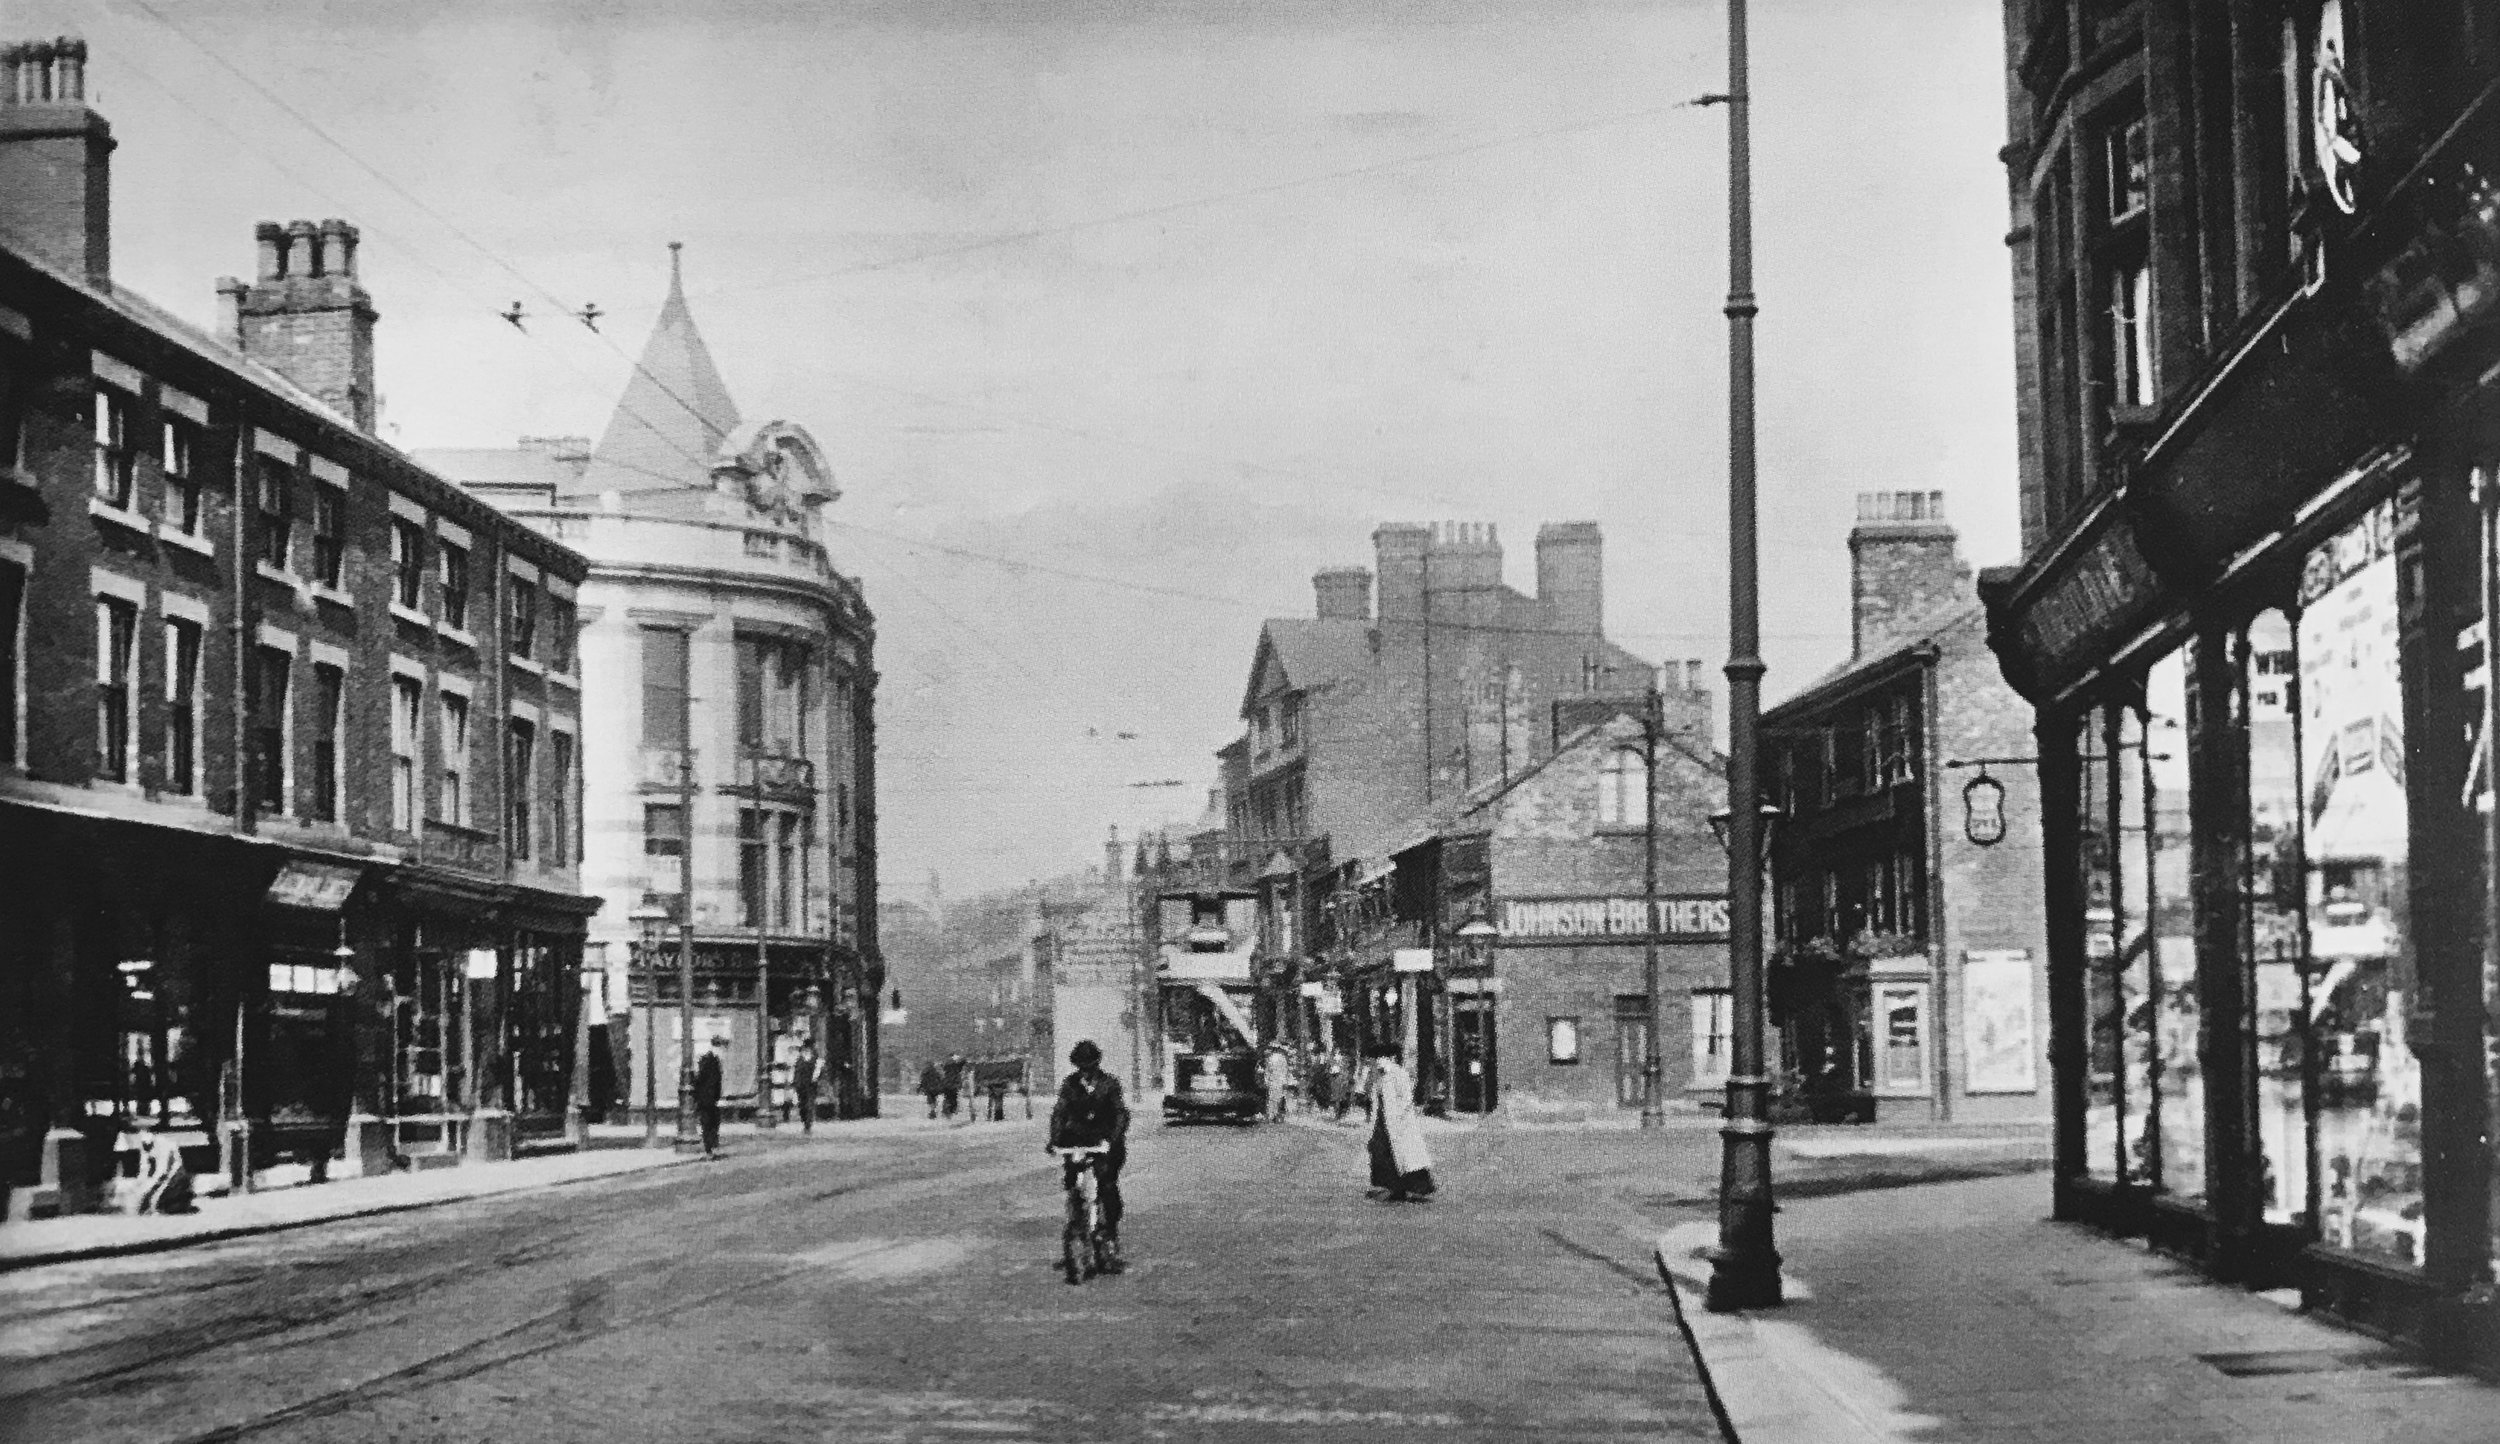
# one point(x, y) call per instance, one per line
point(1085, 1244)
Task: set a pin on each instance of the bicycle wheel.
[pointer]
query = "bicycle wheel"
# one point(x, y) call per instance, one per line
point(1074, 1249)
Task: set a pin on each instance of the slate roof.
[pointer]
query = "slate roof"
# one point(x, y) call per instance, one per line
point(1837, 680)
point(674, 413)
point(1312, 650)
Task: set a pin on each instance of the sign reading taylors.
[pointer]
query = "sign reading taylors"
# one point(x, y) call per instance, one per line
point(1572, 919)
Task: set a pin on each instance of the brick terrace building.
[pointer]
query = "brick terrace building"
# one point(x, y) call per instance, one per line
point(742, 666)
point(1358, 727)
point(289, 725)
point(1554, 1010)
point(2257, 282)
point(1907, 975)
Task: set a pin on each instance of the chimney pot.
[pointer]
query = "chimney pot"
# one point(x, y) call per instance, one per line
point(1345, 594)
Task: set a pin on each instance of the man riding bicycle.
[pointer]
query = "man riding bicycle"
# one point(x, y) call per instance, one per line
point(1091, 1112)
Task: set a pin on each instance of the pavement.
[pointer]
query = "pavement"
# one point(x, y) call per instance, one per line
point(1953, 1310)
point(39, 1242)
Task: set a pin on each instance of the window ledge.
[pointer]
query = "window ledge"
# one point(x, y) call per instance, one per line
point(409, 614)
point(526, 665)
point(566, 679)
point(459, 636)
point(121, 516)
point(333, 596)
point(288, 580)
point(188, 541)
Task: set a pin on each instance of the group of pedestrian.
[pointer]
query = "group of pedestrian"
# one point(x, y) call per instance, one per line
point(944, 1082)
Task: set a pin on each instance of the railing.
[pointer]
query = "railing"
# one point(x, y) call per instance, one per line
point(462, 849)
point(769, 773)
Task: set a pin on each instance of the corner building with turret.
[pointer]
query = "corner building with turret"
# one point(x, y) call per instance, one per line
point(730, 782)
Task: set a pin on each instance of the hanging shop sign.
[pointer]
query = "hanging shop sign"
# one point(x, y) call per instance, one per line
point(314, 886)
point(1411, 960)
point(1983, 810)
point(1578, 919)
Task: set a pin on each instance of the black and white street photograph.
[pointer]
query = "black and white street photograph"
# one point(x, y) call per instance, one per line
point(1249, 721)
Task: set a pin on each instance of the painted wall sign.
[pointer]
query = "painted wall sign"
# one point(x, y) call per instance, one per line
point(1573, 919)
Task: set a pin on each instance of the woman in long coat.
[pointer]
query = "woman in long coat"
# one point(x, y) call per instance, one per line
point(1401, 1166)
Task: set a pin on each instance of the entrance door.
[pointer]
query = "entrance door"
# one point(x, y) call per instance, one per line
point(1479, 1080)
point(1631, 1050)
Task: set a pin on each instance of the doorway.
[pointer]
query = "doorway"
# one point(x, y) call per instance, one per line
point(1478, 1067)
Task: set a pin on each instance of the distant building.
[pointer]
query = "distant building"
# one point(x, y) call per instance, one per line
point(289, 725)
point(1907, 974)
point(1357, 726)
point(740, 669)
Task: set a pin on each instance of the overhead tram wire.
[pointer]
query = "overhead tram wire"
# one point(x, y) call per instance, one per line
point(1039, 233)
point(1015, 238)
point(558, 303)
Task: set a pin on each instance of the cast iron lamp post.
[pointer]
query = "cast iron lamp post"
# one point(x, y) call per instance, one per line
point(646, 920)
point(1745, 1267)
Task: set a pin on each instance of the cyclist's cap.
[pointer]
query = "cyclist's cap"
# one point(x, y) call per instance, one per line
point(1085, 1054)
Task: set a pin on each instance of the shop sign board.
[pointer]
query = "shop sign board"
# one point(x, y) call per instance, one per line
point(1411, 960)
point(2105, 586)
point(1680, 918)
point(2000, 1041)
point(315, 886)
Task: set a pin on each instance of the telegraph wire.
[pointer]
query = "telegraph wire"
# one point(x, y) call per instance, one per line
point(588, 312)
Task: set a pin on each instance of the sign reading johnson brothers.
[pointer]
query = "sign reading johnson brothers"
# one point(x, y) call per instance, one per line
point(1579, 919)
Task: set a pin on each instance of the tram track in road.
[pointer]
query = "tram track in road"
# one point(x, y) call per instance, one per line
point(586, 1315)
point(736, 1225)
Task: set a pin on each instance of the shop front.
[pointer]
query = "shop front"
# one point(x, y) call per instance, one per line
point(2264, 735)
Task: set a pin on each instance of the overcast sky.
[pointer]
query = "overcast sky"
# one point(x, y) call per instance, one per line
point(1169, 303)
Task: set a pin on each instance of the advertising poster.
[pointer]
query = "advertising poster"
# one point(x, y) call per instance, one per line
point(1997, 1022)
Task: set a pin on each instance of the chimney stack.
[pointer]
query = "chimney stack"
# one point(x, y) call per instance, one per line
point(1345, 594)
point(1905, 569)
point(307, 317)
point(56, 192)
point(1571, 575)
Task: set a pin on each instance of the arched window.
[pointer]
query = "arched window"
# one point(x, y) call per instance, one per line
point(1622, 799)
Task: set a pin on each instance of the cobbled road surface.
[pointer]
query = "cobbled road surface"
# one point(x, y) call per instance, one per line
point(900, 1283)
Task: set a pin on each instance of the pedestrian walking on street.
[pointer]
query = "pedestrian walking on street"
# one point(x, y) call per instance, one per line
point(803, 1083)
point(932, 1083)
point(1278, 1075)
point(1401, 1167)
point(1341, 1083)
point(954, 1082)
point(707, 1097)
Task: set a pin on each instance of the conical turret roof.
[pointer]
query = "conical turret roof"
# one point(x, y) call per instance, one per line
point(669, 424)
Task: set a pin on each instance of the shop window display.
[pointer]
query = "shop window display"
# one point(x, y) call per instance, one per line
point(2360, 950)
point(2139, 1059)
point(2283, 1001)
point(2174, 1080)
point(2097, 856)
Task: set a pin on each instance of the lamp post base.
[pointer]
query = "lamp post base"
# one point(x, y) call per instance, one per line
point(1745, 1267)
point(689, 1128)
